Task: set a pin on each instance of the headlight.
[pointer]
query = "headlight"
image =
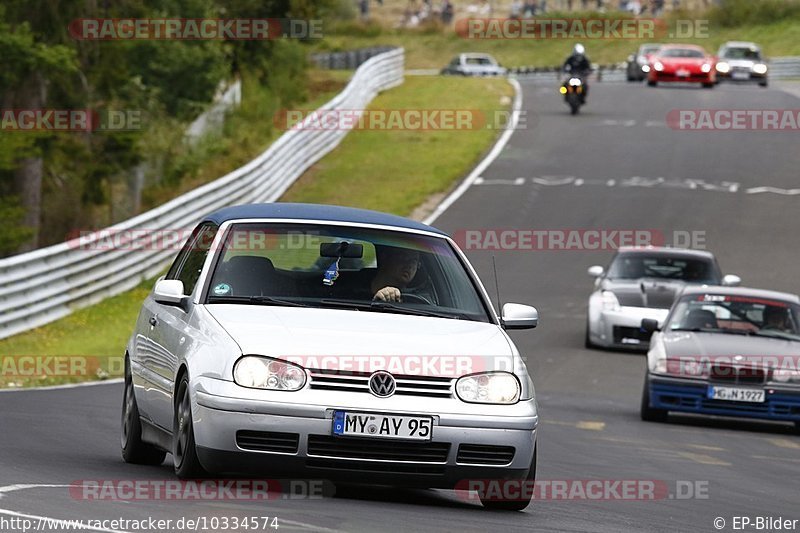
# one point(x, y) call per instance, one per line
point(786, 376)
point(760, 68)
point(706, 67)
point(645, 68)
point(266, 373)
point(563, 90)
point(723, 67)
point(659, 66)
point(610, 302)
point(489, 387)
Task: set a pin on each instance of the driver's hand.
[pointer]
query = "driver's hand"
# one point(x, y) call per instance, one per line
point(388, 294)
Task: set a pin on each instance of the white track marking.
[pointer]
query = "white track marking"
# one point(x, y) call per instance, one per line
point(46, 520)
point(488, 160)
point(774, 190)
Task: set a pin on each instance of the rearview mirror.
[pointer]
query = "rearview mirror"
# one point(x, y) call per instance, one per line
point(518, 316)
point(649, 325)
point(596, 271)
point(341, 249)
point(731, 280)
point(170, 292)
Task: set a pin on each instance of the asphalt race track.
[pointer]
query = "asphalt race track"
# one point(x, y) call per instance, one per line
point(615, 166)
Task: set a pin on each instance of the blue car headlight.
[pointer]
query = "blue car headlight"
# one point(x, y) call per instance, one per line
point(257, 372)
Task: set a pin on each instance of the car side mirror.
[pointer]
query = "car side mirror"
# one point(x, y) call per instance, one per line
point(731, 280)
point(518, 316)
point(650, 325)
point(596, 271)
point(170, 292)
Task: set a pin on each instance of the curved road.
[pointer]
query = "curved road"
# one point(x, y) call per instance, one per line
point(616, 166)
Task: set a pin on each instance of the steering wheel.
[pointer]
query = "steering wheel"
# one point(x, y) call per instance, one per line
point(415, 298)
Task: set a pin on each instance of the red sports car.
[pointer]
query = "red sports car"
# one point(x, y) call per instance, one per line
point(682, 63)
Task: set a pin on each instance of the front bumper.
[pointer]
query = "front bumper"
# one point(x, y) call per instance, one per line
point(741, 76)
point(691, 396)
point(623, 328)
point(692, 77)
point(314, 452)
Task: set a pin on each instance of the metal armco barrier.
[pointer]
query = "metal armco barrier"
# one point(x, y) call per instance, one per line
point(44, 285)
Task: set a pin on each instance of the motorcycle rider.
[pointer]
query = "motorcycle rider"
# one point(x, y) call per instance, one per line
point(579, 65)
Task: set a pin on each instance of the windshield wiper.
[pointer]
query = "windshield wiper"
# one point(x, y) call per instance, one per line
point(772, 334)
point(260, 300)
point(381, 306)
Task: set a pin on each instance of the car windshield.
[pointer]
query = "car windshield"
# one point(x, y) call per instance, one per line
point(739, 315)
point(640, 265)
point(681, 52)
point(741, 53)
point(479, 61)
point(343, 267)
point(644, 50)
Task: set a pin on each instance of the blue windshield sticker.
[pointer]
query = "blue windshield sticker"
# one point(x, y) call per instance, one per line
point(331, 274)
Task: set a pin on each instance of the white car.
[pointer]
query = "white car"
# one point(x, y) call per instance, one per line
point(474, 65)
point(642, 283)
point(266, 348)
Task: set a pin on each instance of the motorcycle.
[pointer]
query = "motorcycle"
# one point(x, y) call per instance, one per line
point(574, 91)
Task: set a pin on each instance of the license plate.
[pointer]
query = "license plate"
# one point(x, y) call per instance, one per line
point(682, 73)
point(741, 75)
point(734, 394)
point(381, 426)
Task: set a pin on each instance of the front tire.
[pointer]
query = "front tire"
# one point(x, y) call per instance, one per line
point(521, 503)
point(187, 465)
point(134, 449)
point(652, 83)
point(587, 341)
point(708, 85)
point(649, 414)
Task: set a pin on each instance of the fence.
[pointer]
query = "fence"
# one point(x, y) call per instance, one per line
point(44, 285)
point(349, 60)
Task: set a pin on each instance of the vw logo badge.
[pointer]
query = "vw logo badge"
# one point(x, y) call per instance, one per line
point(382, 384)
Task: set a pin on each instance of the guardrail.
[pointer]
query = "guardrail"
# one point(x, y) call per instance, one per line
point(47, 284)
point(779, 68)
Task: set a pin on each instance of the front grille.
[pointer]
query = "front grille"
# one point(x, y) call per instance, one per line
point(267, 441)
point(376, 450)
point(481, 454)
point(737, 375)
point(340, 380)
point(381, 468)
point(628, 335)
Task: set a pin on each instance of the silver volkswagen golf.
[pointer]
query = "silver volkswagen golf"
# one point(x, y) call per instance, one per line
point(329, 342)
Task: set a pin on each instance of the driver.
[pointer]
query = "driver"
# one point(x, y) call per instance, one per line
point(775, 318)
point(396, 268)
point(579, 65)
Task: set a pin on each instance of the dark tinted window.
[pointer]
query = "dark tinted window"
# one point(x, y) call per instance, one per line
point(189, 263)
point(642, 265)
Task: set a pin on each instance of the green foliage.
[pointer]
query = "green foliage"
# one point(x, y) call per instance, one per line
point(731, 13)
point(12, 232)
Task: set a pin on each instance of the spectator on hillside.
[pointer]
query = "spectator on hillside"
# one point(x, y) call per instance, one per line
point(447, 12)
point(516, 9)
